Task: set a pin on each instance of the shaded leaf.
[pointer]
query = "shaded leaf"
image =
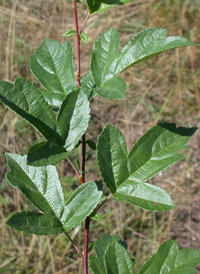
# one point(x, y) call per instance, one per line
point(52, 65)
point(26, 100)
point(125, 174)
point(91, 144)
point(118, 261)
point(45, 153)
point(97, 6)
point(73, 118)
point(81, 203)
point(95, 216)
point(168, 259)
point(37, 223)
point(40, 185)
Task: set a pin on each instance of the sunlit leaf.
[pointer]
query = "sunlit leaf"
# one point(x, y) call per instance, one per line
point(40, 185)
point(168, 259)
point(69, 33)
point(84, 37)
point(107, 64)
point(125, 174)
point(52, 65)
point(81, 203)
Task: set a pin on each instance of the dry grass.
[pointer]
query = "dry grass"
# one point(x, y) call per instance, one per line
point(164, 88)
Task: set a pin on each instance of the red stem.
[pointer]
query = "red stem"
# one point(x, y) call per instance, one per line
point(85, 258)
point(78, 83)
point(83, 158)
point(82, 177)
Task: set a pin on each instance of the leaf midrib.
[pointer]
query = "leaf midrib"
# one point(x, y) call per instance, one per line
point(38, 190)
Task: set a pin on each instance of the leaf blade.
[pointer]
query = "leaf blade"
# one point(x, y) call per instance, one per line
point(25, 100)
point(146, 45)
point(52, 65)
point(45, 153)
point(40, 185)
point(112, 157)
point(168, 259)
point(97, 6)
point(118, 261)
point(37, 223)
point(73, 118)
point(144, 195)
point(104, 53)
point(115, 88)
point(81, 203)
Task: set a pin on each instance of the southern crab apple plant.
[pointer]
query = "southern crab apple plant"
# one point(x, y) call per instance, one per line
point(60, 112)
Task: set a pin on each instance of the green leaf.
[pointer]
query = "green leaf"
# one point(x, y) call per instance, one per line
point(34, 222)
point(103, 55)
point(97, 6)
point(84, 37)
point(91, 144)
point(146, 45)
point(97, 263)
point(26, 100)
point(125, 174)
point(88, 84)
point(40, 185)
point(45, 153)
point(107, 64)
point(73, 118)
point(168, 259)
point(114, 88)
point(52, 65)
point(81, 203)
point(118, 261)
point(95, 216)
point(69, 33)
point(112, 157)
point(54, 100)
point(144, 195)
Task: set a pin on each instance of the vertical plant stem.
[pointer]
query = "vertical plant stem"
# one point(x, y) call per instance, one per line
point(82, 177)
point(78, 83)
point(83, 158)
point(85, 258)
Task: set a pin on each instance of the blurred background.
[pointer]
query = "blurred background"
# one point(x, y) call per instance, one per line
point(166, 88)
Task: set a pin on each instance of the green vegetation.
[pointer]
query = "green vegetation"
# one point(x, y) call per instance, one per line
point(179, 102)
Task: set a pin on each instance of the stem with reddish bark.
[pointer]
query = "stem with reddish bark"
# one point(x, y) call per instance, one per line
point(82, 177)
